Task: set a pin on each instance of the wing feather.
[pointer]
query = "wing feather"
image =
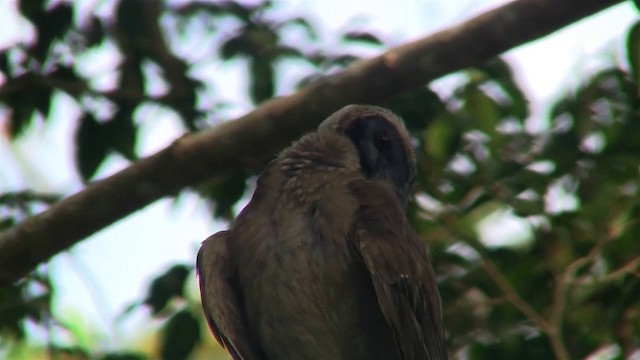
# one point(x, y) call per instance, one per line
point(402, 277)
point(220, 300)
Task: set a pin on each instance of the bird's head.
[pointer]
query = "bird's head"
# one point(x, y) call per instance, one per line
point(383, 144)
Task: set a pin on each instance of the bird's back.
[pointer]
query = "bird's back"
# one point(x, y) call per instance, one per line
point(311, 299)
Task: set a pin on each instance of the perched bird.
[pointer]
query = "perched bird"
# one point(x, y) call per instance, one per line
point(322, 263)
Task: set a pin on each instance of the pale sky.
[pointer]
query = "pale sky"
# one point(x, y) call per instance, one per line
point(116, 264)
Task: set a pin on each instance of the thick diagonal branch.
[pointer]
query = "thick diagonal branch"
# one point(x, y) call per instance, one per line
point(253, 138)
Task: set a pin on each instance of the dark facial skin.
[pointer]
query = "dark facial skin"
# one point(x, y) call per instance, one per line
point(382, 156)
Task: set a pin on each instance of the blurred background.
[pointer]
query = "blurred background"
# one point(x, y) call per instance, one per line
point(527, 190)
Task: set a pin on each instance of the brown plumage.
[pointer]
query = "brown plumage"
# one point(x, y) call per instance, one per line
point(322, 263)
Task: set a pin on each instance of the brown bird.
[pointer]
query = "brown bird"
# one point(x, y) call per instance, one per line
point(322, 263)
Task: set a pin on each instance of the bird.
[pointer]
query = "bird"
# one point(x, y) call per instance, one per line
point(322, 263)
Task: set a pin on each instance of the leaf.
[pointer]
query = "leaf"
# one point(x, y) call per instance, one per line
point(283, 51)
point(637, 4)
point(91, 147)
point(165, 287)
point(51, 25)
point(21, 114)
point(417, 108)
point(262, 80)
point(94, 32)
point(18, 304)
point(69, 75)
point(121, 133)
point(70, 353)
point(42, 99)
point(362, 37)
point(633, 52)
point(237, 45)
point(227, 193)
point(302, 23)
point(4, 62)
point(499, 71)
point(343, 60)
point(483, 111)
point(123, 356)
point(180, 336)
point(442, 138)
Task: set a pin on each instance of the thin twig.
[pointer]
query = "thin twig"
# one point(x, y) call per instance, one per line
point(512, 296)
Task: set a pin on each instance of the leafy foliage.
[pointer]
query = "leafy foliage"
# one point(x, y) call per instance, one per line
point(566, 287)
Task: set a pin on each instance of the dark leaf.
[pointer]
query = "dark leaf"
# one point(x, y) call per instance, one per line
point(484, 114)
point(442, 138)
point(91, 146)
point(287, 52)
point(633, 53)
point(166, 287)
point(302, 23)
point(131, 16)
point(238, 10)
point(499, 71)
point(21, 114)
point(94, 32)
point(123, 356)
point(71, 353)
point(417, 108)
point(262, 80)
point(228, 192)
point(235, 46)
point(18, 304)
point(42, 100)
point(343, 60)
point(513, 346)
point(363, 37)
point(32, 10)
point(180, 337)
point(51, 25)
point(72, 84)
point(4, 62)
point(121, 133)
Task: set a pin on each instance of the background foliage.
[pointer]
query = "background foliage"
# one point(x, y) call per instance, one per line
point(568, 287)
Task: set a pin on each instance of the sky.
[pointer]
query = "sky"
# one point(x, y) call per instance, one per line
point(99, 277)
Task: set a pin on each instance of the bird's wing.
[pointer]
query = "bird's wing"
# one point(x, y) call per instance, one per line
point(403, 279)
point(220, 301)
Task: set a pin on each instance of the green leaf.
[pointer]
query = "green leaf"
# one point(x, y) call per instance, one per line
point(4, 62)
point(442, 138)
point(362, 37)
point(165, 287)
point(636, 3)
point(69, 76)
point(483, 111)
point(21, 114)
point(499, 71)
point(633, 52)
point(51, 25)
point(237, 45)
point(180, 337)
point(121, 133)
point(91, 146)
point(262, 79)
point(227, 193)
point(42, 100)
point(95, 32)
point(123, 356)
point(417, 108)
point(302, 23)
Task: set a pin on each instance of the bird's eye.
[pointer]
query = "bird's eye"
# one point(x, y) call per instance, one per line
point(381, 140)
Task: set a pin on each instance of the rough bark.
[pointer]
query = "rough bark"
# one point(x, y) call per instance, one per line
point(251, 139)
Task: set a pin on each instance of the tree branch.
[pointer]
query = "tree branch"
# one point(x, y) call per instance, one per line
point(252, 139)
